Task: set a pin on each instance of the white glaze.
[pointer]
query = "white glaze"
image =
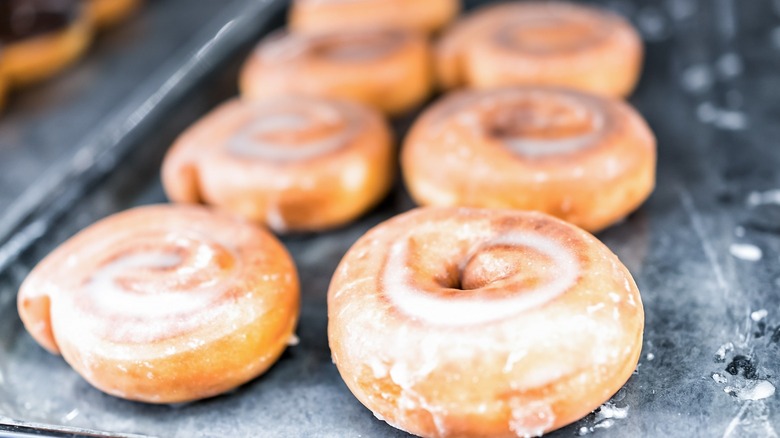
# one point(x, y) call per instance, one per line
point(466, 311)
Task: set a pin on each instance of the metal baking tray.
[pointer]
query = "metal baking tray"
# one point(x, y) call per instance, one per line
point(704, 249)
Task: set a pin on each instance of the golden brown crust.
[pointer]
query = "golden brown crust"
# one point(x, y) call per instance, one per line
point(106, 13)
point(322, 15)
point(296, 164)
point(165, 304)
point(542, 325)
point(386, 69)
point(585, 159)
point(39, 57)
point(541, 43)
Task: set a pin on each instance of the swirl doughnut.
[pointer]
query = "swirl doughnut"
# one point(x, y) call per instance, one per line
point(585, 159)
point(106, 13)
point(386, 69)
point(325, 15)
point(295, 163)
point(541, 43)
point(165, 304)
point(40, 38)
point(475, 322)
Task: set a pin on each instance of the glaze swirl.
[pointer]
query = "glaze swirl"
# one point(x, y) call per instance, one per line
point(294, 163)
point(541, 43)
point(131, 298)
point(586, 159)
point(459, 322)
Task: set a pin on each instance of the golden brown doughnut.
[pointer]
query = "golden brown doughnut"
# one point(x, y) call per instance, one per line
point(386, 69)
point(165, 304)
point(40, 38)
point(106, 13)
point(541, 43)
point(585, 159)
point(295, 163)
point(318, 15)
point(456, 322)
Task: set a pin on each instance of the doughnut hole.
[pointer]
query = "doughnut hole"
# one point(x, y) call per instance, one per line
point(540, 119)
point(522, 266)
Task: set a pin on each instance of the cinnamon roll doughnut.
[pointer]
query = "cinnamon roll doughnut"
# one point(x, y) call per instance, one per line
point(386, 69)
point(40, 38)
point(294, 163)
point(450, 322)
point(165, 304)
point(425, 16)
point(586, 159)
point(541, 43)
point(106, 13)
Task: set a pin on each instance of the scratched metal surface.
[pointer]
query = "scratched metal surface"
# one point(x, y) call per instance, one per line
point(705, 251)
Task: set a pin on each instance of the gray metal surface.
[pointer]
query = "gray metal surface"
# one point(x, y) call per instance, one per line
point(705, 251)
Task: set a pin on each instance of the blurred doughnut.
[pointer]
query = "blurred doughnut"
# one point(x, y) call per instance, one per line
point(40, 38)
point(585, 159)
point(294, 163)
point(387, 69)
point(541, 43)
point(106, 13)
point(326, 15)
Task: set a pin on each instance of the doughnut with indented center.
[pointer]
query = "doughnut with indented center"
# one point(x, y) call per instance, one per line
point(586, 159)
point(165, 304)
point(541, 43)
point(294, 163)
point(318, 15)
point(389, 69)
point(457, 322)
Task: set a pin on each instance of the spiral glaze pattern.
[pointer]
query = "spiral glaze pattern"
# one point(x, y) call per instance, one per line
point(294, 163)
point(130, 297)
point(387, 69)
point(474, 322)
point(541, 43)
point(583, 158)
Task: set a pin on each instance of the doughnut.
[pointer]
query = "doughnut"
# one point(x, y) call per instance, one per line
point(40, 38)
point(293, 163)
point(106, 13)
point(165, 304)
point(541, 43)
point(425, 16)
point(460, 322)
point(586, 159)
point(387, 69)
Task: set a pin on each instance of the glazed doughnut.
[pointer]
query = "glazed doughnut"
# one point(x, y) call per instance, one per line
point(3, 88)
point(457, 322)
point(106, 13)
point(40, 38)
point(386, 69)
point(165, 304)
point(541, 43)
point(585, 159)
point(425, 16)
point(295, 163)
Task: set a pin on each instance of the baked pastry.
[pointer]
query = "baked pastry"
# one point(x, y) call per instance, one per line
point(586, 159)
point(456, 322)
point(294, 163)
point(40, 38)
point(541, 43)
point(165, 304)
point(386, 69)
point(3, 88)
point(106, 13)
point(425, 16)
